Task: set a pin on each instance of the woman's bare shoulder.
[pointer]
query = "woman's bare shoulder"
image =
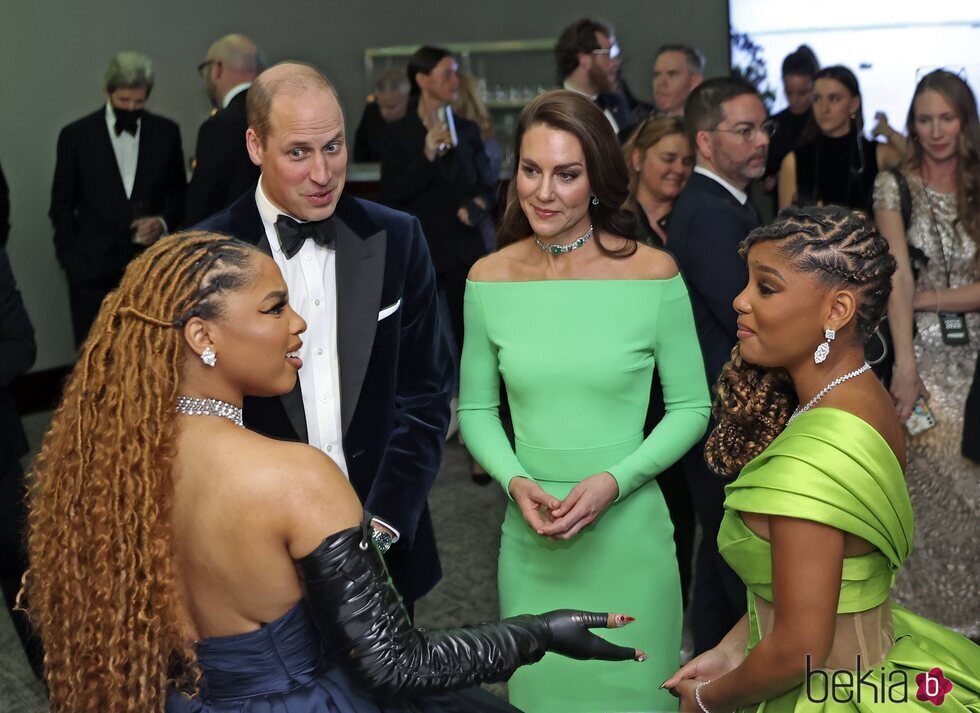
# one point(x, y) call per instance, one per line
point(504, 265)
point(649, 263)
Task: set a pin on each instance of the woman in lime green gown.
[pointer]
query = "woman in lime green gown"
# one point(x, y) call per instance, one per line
point(819, 520)
point(573, 314)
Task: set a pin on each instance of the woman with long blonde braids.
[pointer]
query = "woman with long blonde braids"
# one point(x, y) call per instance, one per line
point(180, 562)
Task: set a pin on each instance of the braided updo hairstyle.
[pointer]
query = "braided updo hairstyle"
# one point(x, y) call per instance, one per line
point(102, 589)
point(839, 248)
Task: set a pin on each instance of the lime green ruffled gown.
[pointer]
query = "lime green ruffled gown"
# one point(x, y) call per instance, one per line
point(577, 358)
point(831, 467)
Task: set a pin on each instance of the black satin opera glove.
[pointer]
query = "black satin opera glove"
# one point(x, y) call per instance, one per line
point(363, 623)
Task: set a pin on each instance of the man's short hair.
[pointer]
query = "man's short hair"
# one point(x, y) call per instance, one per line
point(702, 110)
point(577, 37)
point(392, 80)
point(263, 91)
point(694, 57)
point(129, 70)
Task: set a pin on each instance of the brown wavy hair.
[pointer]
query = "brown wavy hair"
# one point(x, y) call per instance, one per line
point(604, 165)
point(841, 248)
point(960, 97)
point(102, 587)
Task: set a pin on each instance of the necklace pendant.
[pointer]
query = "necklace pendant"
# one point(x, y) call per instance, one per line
point(567, 247)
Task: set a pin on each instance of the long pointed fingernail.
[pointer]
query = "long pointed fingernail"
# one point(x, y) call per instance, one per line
point(623, 619)
point(664, 683)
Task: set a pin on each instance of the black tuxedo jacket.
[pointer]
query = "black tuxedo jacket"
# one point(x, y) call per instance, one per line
point(396, 373)
point(706, 227)
point(433, 191)
point(17, 352)
point(223, 170)
point(89, 207)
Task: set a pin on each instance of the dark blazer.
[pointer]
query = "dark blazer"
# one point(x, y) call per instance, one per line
point(223, 170)
point(396, 374)
point(706, 227)
point(89, 207)
point(17, 352)
point(433, 191)
point(369, 137)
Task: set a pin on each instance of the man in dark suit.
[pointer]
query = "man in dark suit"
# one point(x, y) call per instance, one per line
point(17, 352)
point(222, 167)
point(390, 104)
point(726, 120)
point(118, 186)
point(587, 61)
point(377, 374)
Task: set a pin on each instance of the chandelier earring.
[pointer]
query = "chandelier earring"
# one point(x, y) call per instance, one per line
point(208, 356)
point(820, 355)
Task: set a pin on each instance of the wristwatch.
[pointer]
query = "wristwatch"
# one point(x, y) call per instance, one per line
point(382, 540)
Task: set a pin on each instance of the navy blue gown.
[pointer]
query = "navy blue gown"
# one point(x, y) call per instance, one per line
point(284, 668)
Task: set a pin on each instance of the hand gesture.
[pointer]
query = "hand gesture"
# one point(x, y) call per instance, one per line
point(535, 504)
point(146, 231)
point(438, 141)
point(582, 506)
point(906, 387)
point(710, 665)
point(571, 636)
point(685, 691)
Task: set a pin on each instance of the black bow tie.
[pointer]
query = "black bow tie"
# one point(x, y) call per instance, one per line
point(292, 233)
point(128, 127)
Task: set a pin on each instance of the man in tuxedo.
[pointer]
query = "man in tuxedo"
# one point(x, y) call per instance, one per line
point(726, 121)
point(677, 70)
point(377, 374)
point(118, 186)
point(587, 60)
point(222, 168)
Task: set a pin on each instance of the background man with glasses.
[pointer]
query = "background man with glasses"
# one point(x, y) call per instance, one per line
point(223, 170)
point(587, 60)
point(727, 122)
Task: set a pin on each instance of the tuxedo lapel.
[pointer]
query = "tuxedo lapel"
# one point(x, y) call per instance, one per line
point(144, 157)
point(101, 134)
point(360, 277)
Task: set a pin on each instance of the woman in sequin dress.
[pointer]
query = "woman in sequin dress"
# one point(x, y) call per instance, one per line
point(941, 579)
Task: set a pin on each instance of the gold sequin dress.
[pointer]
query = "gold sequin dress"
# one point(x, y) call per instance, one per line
point(941, 580)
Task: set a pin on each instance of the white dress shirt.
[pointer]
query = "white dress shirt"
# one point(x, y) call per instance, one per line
point(126, 148)
point(234, 92)
point(740, 196)
point(311, 276)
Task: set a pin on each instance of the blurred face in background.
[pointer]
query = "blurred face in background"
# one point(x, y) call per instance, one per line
point(799, 93)
point(605, 63)
point(937, 126)
point(673, 80)
point(391, 105)
point(441, 84)
point(833, 105)
point(664, 168)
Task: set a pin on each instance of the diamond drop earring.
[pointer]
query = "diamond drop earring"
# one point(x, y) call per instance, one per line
point(595, 200)
point(824, 349)
point(208, 356)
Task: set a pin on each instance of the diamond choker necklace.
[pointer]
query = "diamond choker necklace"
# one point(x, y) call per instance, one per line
point(190, 406)
point(800, 410)
point(567, 247)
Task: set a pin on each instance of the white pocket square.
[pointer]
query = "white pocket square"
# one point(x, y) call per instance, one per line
point(389, 310)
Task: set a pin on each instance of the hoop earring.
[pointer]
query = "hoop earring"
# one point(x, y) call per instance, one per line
point(595, 200)
point(208, 356)
point(820, 355)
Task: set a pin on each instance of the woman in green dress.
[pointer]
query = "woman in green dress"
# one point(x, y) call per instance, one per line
point(574, 314)
point(819, 520)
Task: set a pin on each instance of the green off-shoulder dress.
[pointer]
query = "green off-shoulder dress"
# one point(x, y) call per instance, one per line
point(576, 357)
point(832, 467)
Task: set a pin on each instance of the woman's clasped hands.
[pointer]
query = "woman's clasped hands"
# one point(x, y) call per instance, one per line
point(563, 519)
